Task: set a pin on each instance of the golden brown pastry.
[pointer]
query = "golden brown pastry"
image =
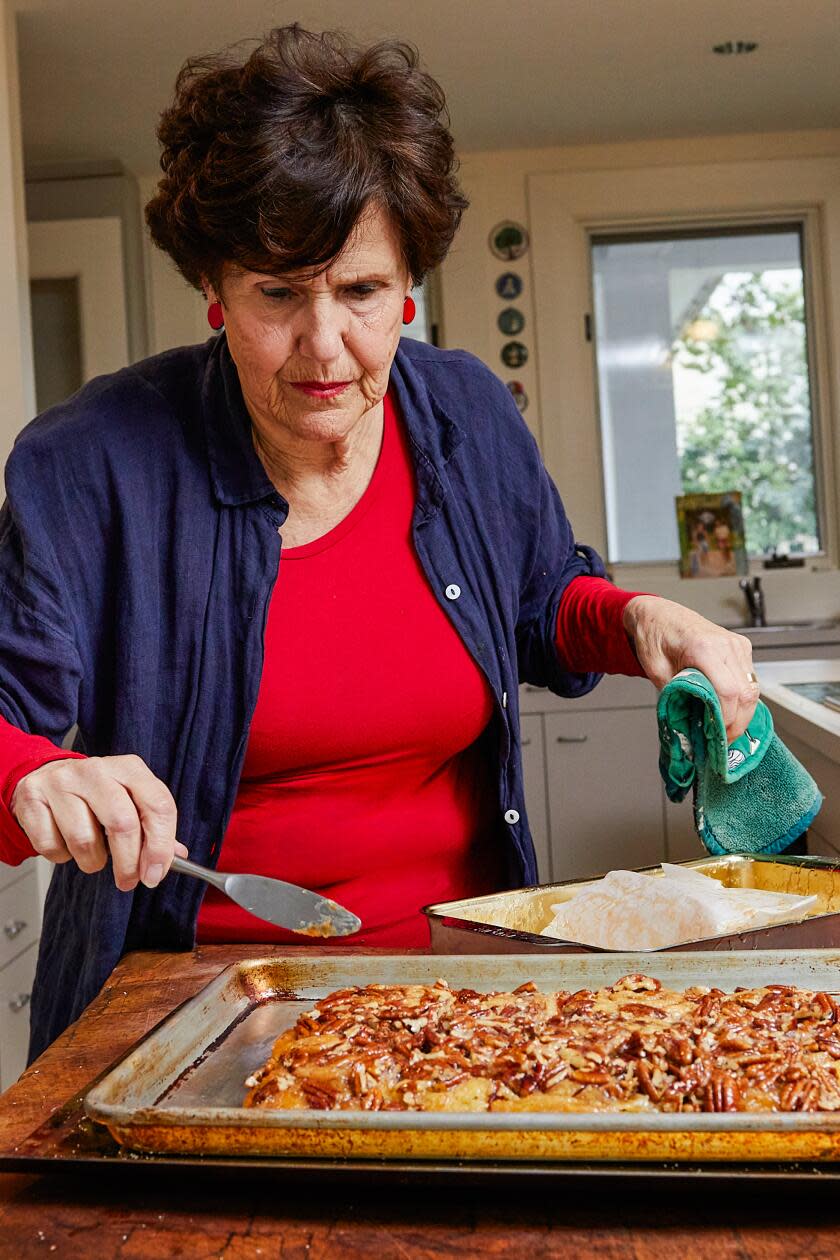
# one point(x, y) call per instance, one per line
point(632, 1046)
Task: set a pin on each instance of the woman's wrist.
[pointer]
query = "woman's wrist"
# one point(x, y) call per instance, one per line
point(635, 612)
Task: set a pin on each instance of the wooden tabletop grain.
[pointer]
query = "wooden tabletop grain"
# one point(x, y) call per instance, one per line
point(95, 1214)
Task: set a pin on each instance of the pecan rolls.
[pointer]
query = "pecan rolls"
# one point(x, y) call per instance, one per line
point(631, 1046)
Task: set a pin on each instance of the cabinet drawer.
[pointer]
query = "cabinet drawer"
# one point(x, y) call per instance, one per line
point(20, 917)
point(15, 993)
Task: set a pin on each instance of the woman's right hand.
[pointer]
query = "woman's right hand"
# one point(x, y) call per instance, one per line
point(67, 809)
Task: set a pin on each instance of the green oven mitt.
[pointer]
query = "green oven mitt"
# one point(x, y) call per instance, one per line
point(751, 796)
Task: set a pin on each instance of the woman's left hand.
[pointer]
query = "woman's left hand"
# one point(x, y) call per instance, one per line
point(668, 637)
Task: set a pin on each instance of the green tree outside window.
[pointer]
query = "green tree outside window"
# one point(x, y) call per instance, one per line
point(752, 429)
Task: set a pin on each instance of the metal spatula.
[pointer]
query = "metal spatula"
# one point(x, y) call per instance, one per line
point(275, 901)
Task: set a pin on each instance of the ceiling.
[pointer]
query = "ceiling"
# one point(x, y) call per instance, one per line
point(95, 74)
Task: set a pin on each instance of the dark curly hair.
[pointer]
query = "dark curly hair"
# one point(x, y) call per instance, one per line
point(269, 162)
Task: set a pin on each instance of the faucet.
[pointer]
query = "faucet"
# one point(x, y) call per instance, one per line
point(754, 596)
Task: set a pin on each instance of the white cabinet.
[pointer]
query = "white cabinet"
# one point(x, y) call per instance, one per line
point(20, 927)
point(533, 767)
point(604, 791)
point(20, 913)
point(15, 994)
point(596, 800)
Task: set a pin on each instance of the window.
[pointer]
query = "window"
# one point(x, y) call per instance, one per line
point(703, 376)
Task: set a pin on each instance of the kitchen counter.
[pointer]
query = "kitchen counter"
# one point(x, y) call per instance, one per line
point(807, 719)
point(132, 1214)
point(811, 635)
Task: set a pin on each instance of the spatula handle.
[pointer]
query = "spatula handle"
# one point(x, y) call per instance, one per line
point(182, 866)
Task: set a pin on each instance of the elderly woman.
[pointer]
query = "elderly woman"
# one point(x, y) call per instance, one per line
point(287, 583)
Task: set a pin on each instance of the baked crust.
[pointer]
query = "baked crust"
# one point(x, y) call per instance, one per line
point(632, 1046)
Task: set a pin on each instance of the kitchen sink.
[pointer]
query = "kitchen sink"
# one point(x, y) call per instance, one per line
point(782, 627)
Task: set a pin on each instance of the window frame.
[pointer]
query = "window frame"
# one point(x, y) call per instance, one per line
point(566, 209)
point(806, 222)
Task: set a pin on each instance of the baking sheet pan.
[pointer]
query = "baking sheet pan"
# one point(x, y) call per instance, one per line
point(511, 922)
point(179, 1090)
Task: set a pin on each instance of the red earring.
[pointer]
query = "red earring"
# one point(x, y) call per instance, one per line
point(409, 310)
point(215, 317)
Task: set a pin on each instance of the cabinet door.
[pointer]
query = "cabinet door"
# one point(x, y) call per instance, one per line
point(604, 791)
point(20, 916)
point(15, 993)
point(533, 767)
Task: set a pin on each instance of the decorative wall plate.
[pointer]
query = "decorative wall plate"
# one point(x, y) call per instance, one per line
point(514, 354)
point(517, 389)
point(511, 321)
point(509, 285)
point(509, 240)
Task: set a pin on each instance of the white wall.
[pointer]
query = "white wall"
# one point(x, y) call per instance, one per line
point(16, 371)
point(176, 312)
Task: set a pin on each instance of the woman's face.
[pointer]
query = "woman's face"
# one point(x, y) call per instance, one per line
point(313, 355)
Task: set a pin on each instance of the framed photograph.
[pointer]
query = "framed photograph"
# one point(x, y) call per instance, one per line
point(711, 530)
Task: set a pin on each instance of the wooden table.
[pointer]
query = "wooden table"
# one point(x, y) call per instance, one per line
point(95, 1216)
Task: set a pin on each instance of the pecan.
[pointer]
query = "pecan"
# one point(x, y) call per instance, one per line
point(590, 1078)
point(564, 999)
point(769, 999)
point(527, 987)
point(637, 983)
point(728, 1044)
point(266, 1089)
point(555, 1075)
point(681, 1051)
point(829, 1006)
point(643, 1074)
point(721, 1093)
point(455, 1079)
point(642, 1008)
point(799, 1095)
point(318, 1096)
point(708, 1006)
point(748, 1061)
point(634, 1045)
point(579, 1003)
point(456, 1056)
point(373, 1100)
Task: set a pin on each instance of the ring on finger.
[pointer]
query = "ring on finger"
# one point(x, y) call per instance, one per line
point(752, 678)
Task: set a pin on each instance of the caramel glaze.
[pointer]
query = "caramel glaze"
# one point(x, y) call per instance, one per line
point(632, 1046)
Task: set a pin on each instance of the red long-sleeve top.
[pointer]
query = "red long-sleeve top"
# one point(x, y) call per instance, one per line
point(364, 775)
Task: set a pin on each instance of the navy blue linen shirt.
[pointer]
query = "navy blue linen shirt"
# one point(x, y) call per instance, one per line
point(139, 547)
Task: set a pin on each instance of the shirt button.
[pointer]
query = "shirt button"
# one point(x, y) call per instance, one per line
point(453, 591)
point(512, 816)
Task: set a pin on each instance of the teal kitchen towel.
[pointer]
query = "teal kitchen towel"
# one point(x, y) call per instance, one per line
point(751, 796)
